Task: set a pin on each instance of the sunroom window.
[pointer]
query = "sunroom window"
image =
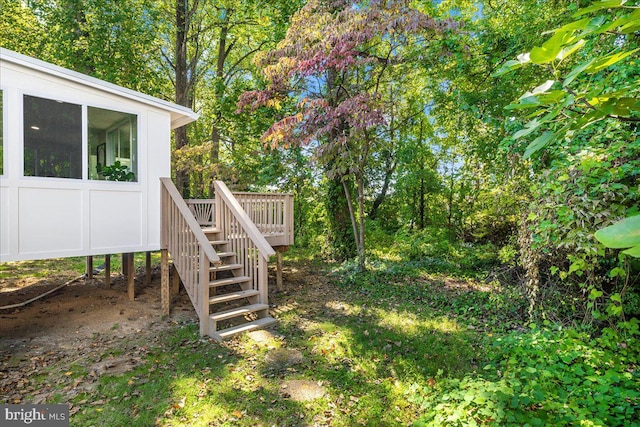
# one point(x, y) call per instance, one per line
point(112, 145)
point(52, 138)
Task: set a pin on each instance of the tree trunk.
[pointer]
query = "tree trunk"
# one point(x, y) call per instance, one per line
point(182, 88)
point(360, 243)
point(389, 170)
point(218, 93)
point(422, 189)
point(450, 199)
point(352, 214)
point(421, 201)
point(340, 237)
point(182, 177)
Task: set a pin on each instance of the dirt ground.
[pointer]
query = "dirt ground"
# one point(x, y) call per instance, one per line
point(77, 323)
point(77, 327)
point(81, 310)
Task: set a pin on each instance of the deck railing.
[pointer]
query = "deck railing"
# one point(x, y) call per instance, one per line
point(272, 213)
point(190, 250)
point(245, 240)
point(203, 210)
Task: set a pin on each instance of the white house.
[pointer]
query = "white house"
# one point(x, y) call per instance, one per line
point(62, 136)
point(84, 167)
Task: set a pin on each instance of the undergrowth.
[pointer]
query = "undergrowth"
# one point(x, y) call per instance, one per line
point(563, 373)
point(544, 377)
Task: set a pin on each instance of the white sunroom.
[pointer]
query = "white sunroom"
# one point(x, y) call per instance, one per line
point(84, 167)
point(80, 162)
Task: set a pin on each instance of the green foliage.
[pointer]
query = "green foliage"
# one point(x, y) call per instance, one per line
point(109, 40)
point(452, 255)
point(20, 29)
point(544, 377)
point(117, 172)
point(591, 185)
point(583, 121)
point(621, 235)
point(439, 287)
point(588, 87)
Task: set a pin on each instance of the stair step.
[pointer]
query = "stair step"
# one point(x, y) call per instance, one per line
point(225, 254)
point(265, 322)
point(210, 230)
point(233, 296)
point(235, 312)
point(218, 242)
point(229, 281)
point(225, 267)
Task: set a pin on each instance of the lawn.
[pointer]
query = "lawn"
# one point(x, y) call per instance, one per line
point(365, 352)
point(403, 343)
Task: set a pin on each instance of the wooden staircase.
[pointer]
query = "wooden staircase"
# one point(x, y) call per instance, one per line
point(222, 267)
point(235, 306)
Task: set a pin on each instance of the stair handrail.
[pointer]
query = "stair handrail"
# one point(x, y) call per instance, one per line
point(177, 199)
point(264, 249)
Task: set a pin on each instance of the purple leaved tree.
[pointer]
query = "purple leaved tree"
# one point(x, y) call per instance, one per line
point(337, 61)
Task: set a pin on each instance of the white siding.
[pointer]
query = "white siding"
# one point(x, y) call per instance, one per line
point(158, 165)
point(116, 220)
point(5, 230)
point(50, 221)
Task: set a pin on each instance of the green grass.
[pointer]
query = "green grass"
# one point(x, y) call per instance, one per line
point(366, 357)
point(368, 348)
point(404, 342)
point(72, 266)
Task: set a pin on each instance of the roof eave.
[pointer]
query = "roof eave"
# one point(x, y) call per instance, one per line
point(182, 120)
point(180, 115)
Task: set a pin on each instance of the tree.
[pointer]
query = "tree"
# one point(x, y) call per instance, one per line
point(208, 58)
point(113, 41)
point(338, 59)
point(21, 31)
point(185, 32)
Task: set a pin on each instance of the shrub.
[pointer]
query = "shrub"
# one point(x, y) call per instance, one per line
point(545, 377)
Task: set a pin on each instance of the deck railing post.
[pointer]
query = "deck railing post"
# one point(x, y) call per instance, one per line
point(217, 210)
point(288, 219)
point(164, 226)
point(263, 279)
point(204, 293)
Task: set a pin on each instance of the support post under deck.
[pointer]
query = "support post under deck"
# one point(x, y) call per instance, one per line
point(107, 271)
point(147, 276)
point(130, 277)
point(89, 267)
point(164, 281)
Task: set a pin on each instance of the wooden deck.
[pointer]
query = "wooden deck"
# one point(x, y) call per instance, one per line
point(272, 214)
point(220, 249)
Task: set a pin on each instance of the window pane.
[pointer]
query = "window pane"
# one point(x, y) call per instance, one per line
point(52, 138)
point(112, 145)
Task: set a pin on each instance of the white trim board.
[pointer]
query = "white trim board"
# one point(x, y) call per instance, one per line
point(180, 115)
